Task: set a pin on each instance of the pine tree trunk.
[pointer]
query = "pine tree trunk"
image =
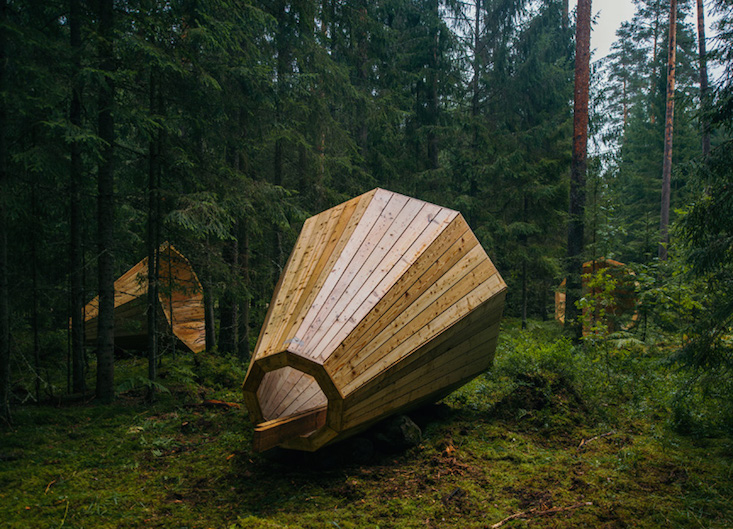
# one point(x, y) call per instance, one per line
point(578, 168)
point(78, 379)
point(668, 133)
point(153, 244)
point(209, 319)
point(105, 208)
point(704, 91)
point(4, 285)
point(228, 312)
point(432, 136)
point(243, 350)
point(565, 13)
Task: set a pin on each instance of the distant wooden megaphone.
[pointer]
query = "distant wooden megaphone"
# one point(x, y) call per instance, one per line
point(386, 303)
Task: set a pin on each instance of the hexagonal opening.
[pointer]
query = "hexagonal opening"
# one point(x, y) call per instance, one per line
point(288, 391)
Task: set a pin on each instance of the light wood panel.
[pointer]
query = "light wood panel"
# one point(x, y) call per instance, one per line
point(180, 300)
point(386, 301)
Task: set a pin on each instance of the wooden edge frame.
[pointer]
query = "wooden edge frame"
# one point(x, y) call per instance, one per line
point(272, 433)
point(307, 430)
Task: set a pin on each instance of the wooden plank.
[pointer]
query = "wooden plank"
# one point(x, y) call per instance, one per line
point(327, 221)
point(272, 433)
point(318, 307)
point(440, 256)
point(274, 388)
point(438, 316)
point(339, 236)
point(384, 256)
point(450, 375)
point(398, 259)
point(486, 315)
point(444, 292)
point(266, 346)
point(428, 375)
point(310, 397)
point(295, 268)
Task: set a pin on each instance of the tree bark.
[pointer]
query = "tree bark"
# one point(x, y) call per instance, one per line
point(105, 207)
point(228, 313)
point(153, 242)
point(578, 168)
point(704, 91)
point(78, 379)
point(668, 133)
point(243, 350)
point(433, 118)
point(4, 192)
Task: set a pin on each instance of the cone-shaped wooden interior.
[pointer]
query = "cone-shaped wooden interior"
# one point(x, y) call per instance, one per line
point(386, 302)
point(180, 304)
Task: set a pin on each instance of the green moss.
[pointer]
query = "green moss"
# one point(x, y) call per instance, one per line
point(506, 443)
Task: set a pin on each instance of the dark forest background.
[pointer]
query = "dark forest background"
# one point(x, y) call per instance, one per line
point(221, 125)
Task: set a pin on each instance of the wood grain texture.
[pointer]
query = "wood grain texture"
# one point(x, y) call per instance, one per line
point(387, 301)
point(180, 297)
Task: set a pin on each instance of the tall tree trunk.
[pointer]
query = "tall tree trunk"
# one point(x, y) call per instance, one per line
point(565, 13)
point(655, 36)
point(4, 193)
point(35, 229)
point(105, 207)
point(432, 89)
point(244, 316)
point(228, 313)
point(578, 168)
point(153, 242)
point(668, 132)
point(78, 379)
point(209, 318)
point(704, 92)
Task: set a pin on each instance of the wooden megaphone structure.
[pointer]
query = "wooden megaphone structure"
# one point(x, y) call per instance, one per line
point(386, 303)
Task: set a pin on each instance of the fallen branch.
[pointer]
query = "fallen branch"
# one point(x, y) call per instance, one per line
point(586, 441)
point(537, 512)
point(213, 403)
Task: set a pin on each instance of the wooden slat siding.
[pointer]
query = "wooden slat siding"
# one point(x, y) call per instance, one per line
point(255, 375)
point(365, 278)
point(476, 321)
point(439, 256)
point(130, 288)
point(326, 223)
point(412, 317)
point(270, 434)
point(450, 375)
point(394, 262)
point(468, 349)
point(362, 202)
point(310, 442)
point(465, 295)
point(318, 309)
point(305, 387)
point(364, 248)
point(289, 388)
point(339, 235)
point(311, 396)
point(267, 393)
point(360, 319)
point(364, 423)
point(338, 221)
point(344, 229)
point(295, 265)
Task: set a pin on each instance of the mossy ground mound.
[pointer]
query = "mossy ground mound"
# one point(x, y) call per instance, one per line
point(482, 459)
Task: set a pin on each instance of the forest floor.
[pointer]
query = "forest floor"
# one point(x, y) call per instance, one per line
point(552, 437)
